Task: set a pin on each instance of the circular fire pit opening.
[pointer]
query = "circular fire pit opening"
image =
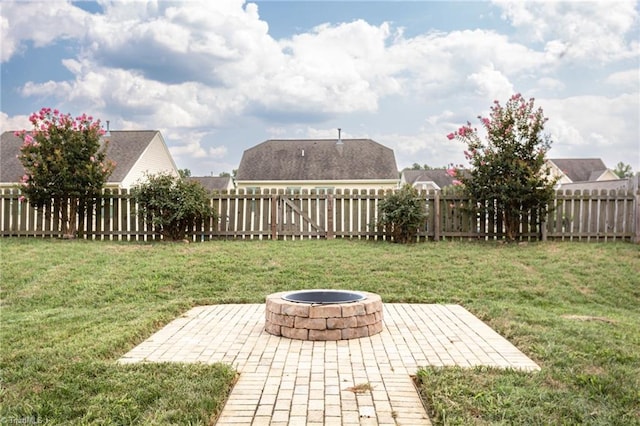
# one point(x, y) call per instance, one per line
point(323, 314)
point(324, 296)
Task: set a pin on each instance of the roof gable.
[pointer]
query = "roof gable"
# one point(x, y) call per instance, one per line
point(125, 147)
point(580, 169)
point(323, 159)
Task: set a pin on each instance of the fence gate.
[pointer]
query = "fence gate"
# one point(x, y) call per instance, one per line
point(303, 216)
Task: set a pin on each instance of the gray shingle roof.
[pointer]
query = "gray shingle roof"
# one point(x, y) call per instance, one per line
point(438, 176)
point(324, 159)
point(125, 148)
point(580, 169)
point(212, 183)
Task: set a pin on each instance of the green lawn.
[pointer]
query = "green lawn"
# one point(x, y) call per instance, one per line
point(70, 309)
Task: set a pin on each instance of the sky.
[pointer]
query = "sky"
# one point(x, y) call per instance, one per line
point(218, 77)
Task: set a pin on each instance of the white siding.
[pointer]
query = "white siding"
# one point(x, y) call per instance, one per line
point(155, 159)
point(557, 173)
point(608, 175)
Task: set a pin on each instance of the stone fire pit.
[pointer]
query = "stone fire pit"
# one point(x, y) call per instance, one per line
point(323, 314)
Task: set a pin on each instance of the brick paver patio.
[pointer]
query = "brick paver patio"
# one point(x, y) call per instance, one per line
point(293, 382)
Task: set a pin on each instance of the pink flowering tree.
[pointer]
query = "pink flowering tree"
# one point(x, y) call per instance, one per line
point(508, 177)
point(65, 164)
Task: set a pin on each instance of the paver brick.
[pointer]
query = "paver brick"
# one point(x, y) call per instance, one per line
point(272, 328)
point(295, 333)
point(353, 309)
point(311, 323)
point(367, 319)
point(347, 322)
point(355, 332)
point(279, 319)
point(306, 380)
point(295, 309)
point(325, 334)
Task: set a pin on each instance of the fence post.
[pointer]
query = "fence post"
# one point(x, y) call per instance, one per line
point(436, 221)
point(637, 216)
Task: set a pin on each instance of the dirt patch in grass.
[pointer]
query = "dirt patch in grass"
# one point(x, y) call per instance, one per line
point(360, 388)
point(589, 318)
point(594, 370)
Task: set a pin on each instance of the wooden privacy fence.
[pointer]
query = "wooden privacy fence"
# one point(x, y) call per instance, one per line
point(272, 214)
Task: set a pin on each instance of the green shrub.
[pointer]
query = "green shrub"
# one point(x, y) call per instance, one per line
point(172, 204)
point(403, 212)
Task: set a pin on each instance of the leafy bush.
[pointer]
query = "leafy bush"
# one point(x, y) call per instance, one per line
point(403, 211)
point(173, 204)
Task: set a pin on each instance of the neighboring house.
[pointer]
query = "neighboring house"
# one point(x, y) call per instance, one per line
point(327, 164)
point(627, 184)
point(214, 183)
point(427, 179)
point(135, 152)
point(572, 170)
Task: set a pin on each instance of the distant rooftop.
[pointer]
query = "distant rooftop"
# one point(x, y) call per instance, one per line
point(320, 159)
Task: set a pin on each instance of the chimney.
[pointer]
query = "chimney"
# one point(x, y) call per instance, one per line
point(107, 133)
point(339, 136)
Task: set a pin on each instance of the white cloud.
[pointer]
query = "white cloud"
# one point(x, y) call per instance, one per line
point(196, 64)
point(552, 84)
point(186, 143)
point(594, 30)
point(217, 152)
point(595, 126)
point(216, 43)
point(39, 22)
point(425, 147)
point(629, 79)
point(326, 133)
point(442, 65)
point(330, 70)
point(490, 83)
point(275, 131)
point(17, 122)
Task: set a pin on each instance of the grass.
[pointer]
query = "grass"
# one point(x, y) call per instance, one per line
point(70, 309)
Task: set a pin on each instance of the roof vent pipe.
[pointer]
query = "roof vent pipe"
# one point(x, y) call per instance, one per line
point(339, 136)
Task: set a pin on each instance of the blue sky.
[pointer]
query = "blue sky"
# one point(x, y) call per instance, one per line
point(217, 77)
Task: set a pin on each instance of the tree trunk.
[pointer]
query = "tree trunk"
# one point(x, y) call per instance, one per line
point(511, 224)
point(69, 214)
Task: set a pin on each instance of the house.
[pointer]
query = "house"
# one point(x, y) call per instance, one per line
point(320, 164)
point(427, 179)
point(572, 170)
point(135, 152)
point(214, 183)
point(602, 185)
